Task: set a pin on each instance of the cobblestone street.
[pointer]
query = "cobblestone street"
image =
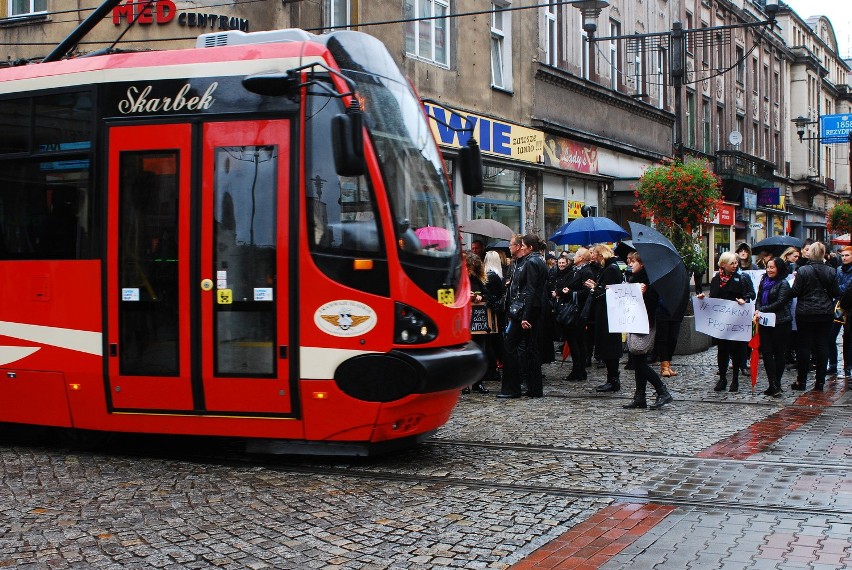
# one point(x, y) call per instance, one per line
point(715, 480)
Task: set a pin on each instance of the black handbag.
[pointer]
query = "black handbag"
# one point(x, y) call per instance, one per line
point(567, 312)
point(516, 309)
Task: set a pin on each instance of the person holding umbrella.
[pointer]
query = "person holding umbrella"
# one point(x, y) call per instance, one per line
point(643, 372)
point(773, 296)
point(608, 345)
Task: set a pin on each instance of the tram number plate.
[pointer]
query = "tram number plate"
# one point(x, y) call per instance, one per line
point(446, 297)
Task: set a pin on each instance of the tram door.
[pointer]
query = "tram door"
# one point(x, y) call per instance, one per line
point(197, 313)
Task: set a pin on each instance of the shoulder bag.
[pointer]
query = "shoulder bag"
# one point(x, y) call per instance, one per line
point(638, 343)
point(567, 312)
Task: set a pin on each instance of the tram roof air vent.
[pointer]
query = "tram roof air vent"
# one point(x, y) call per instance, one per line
point(236, 37)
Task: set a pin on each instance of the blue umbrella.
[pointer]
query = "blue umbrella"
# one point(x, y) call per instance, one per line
point(584, 231)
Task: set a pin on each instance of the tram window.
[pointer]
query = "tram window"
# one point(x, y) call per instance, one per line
point(15, 125)
point(63, 122)
point(341, 211)
point(44, 209)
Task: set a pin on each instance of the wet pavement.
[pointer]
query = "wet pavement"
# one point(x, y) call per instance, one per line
point(571, 480)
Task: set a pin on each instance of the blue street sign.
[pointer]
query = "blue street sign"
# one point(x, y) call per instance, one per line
point(835, 128)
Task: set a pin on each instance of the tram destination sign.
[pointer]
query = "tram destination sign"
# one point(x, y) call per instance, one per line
point(835, 129)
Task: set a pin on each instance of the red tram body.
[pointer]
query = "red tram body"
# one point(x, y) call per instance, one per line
point(179, 254)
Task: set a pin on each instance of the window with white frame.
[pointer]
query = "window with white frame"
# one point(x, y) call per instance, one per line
point(501, 46)
point(614, 55)
point(336, 13)
point(551, 41)
point(24, 7)
point(428, 39)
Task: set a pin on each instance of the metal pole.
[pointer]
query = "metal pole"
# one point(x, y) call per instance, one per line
point(677, 65)
point(81, 30)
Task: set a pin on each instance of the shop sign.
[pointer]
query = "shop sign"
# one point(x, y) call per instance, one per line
point(769, 197)
point(496, 138)
point(164, 11)
point(575, 209)
point(749, 199)
point(724, 216)
point(756, 226)
point(569, 155)
point(782, 204)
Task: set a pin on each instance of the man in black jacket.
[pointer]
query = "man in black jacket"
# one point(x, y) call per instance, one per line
point(525, 298)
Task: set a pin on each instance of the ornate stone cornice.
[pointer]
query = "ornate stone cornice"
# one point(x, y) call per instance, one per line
point(565, 80)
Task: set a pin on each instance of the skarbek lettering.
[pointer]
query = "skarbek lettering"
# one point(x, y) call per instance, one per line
point(137, 101)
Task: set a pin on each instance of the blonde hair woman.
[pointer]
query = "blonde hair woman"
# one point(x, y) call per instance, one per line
point(608, 345)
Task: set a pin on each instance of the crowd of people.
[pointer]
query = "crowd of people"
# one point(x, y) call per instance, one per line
point(529, 292)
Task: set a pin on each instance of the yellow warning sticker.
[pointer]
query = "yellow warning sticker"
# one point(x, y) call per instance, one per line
point(224, 296)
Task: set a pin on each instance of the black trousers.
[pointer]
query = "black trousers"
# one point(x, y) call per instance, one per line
point(646, 375)
point(522, 363)
point(774, 342)
point(576, 339)
point(814, 336)
point(729, 350)
point(667, 332)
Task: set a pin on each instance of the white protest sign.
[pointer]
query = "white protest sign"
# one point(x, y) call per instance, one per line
point(756, 275)
point(625, 309)
point(723, 319)
point(766, 319)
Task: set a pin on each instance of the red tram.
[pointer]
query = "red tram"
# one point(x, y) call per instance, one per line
point(255, 239)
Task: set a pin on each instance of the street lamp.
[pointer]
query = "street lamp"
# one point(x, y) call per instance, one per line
point(591, 9)
point(801, 122)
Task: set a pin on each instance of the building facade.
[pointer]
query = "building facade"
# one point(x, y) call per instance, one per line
point(568, 107)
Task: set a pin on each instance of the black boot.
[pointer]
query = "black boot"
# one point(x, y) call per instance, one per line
point(720, 385)
point(612, 385)
point(735, 385)
point(478, 387)
point(638, 402)
point(662, 400)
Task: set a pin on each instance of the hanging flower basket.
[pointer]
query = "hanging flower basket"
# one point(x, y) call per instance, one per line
point(679, 197)
point(839, 219)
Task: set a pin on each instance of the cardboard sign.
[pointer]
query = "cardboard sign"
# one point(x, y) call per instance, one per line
point(625, 309)
point(727, 320)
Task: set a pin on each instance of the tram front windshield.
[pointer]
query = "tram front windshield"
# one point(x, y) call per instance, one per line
point(412, 168)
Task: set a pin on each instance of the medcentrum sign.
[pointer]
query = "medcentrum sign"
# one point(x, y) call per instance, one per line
point(164, 11)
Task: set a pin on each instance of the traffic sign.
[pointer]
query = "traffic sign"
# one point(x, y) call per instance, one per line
point(835, 129)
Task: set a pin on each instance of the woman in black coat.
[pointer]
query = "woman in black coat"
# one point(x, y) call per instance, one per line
point(608, 346)
point(816, 289)
point(774, 296)
point(643, 372)
point(575, 335)
point(728, 284)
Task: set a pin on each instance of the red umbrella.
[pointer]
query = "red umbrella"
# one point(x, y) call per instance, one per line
point(566, 351)
point(754, 345)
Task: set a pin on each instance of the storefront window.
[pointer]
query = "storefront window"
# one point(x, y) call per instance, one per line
point(501, 197)
point(778, 225)
point(760, 232)
point(554, 215)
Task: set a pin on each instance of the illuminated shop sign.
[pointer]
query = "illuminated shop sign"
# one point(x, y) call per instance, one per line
point(164, 11)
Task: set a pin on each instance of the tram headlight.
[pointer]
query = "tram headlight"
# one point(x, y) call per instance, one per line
point(412, 326)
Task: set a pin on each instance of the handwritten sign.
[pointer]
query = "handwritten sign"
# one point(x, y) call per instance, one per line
point(766, 319)
point(625, 309)
point(727, 320)
point(481, 319)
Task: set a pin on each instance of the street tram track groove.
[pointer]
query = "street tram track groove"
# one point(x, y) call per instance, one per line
point(352, 470)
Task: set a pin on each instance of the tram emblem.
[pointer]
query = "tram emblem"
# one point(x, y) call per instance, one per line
point(345, 318)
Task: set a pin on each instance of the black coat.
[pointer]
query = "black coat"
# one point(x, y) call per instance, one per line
point(737, 288)
point(816, 289)
point(780, 298)
point(529, 283)
point(608, 345)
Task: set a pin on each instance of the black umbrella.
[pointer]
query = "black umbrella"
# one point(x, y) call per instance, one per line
point(665, 268)
point(502, 244)
point(777, 244)
point(623, 248)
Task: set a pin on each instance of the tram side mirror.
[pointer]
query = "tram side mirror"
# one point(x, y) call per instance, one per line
point(470, 168)
point(347, 140)
point(272, 84)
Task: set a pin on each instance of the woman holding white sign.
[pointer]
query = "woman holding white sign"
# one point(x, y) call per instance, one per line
point(774, 296)
point(729, 285)
point(639, 349)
